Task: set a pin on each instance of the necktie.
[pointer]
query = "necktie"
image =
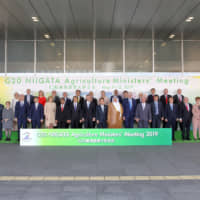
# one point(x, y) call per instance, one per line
point(102, 107)
point(156, 109)
point(130, 104)
point(62, 108)
point(166, 99)
point(75, 106)
point(187, 107)
point(171, 107)
point(180, 98)
point(36, 106)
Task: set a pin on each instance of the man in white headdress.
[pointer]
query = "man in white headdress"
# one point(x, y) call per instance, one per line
point(115, 114)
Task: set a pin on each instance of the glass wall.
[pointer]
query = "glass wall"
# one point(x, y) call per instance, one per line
point(192, 56)
point(138, 56)
point(109, 56)
point(50, 56)
point(2, 56)
point(79, 56)
point(167, 56)
point(20, 56)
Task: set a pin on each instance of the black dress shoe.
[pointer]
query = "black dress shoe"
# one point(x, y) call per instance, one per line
point(174, 139)
point(188, 138)
point(7, 139)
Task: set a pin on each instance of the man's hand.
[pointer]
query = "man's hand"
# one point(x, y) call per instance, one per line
point(162, 118)
point(29, 120)
point(166, 120)
point(15, 119)
point(41, 120)
point(137, 120)
point(68, 121)
point(181, 120)
point(124, 118)
point(97, 121)
point(93, 119)
point(149, 121)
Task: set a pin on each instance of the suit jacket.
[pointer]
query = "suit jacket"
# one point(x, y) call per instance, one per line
point(21, 112)
point(81, 101)
point(68, 101)
point(160, 110)
point(185, 115)
point(196, 112)
point(150, 99)
point(65, 115)
point(76, 115)
point(1, 111)
point(176, 99)
point(119, 97)
point(56, 99)
point(145, 114)
point(138, 101)
point(100, 115)
point(126, 107)
point(94, 100)
point(171, 115)
point(163, 100)
point(31, 100)
point(88, 113)
point(36, 114)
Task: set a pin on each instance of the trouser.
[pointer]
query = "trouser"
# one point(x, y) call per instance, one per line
point(172, 124)
point(180, 124)
point(21, 123)
point(75, 124)
point(102, 125)
point(196, 126)
point(0, 130)
point(88, 123)
point(186, 129)
point(36, 124)
point(129, 122)
point(63, 124)
point(156, 121)
point(143, 124)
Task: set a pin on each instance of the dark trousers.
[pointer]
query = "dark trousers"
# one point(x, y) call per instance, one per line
point(75, 124)
point(88, 123)
point(21, 123)
point(62, 124)
point(36, 124)
point(186, 129)
point(172, 124)
point(0, 130)
point(102, 125)
point(156, 121)
point(180, 124)
point(143, 124)
point(128, 123)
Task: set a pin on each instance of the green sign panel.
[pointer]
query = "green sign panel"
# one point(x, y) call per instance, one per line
point(95, 137)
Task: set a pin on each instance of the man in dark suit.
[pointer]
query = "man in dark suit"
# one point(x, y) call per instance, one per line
point(150, 98)
point(89, 112)
point(164, 99)
point(76, 113)
point(21, 114)
point(116, 94)
point(67, 100)
point(143, 113)
point(178, 99)
point(129, 107)
point(63, 114)
point(29, 99)
point(157, 112)
point(94, 100)
point(79, 97)
point(36, 114)
point(56, 99)
point(139, 99)
point(171, 116)
point(101, 114)
point(186, 118)
point(1, 112)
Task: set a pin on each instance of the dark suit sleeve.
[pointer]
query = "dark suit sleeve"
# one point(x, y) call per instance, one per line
point(16, 110)
point(166, 112)
point(149, 112)
point(93, 110)
point(42, 112)
point(137, 112)
point(97, 113)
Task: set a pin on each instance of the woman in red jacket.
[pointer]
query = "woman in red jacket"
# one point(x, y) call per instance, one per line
point(42, 99)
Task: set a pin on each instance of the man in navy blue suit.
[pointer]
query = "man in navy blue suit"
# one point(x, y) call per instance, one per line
point(29, 99)
point(171, 116)
point(21, 114)
point(36, 114)
point(129, 106)
point(157, 112)
point(116, 94)
point(101, 114)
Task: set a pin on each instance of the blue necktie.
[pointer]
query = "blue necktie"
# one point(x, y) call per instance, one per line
point(130, 104)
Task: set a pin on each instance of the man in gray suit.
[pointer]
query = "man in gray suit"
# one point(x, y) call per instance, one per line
point(143, 113)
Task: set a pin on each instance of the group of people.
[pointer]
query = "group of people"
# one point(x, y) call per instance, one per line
point(120, 110)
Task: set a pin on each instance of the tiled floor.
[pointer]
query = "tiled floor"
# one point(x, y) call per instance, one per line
point(180, 159)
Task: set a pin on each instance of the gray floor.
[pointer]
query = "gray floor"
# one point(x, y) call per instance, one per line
point(180, 159)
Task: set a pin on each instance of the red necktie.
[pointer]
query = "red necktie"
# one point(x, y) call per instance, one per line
point(62, 107)
point(166, 100)
point(187, 107)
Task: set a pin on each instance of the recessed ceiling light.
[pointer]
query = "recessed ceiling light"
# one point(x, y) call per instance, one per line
point(35, 19)
point(189, 19)
point(172, 36)
point(47, 36)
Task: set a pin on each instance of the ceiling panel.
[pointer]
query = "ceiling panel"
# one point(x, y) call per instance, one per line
point(99, 18)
